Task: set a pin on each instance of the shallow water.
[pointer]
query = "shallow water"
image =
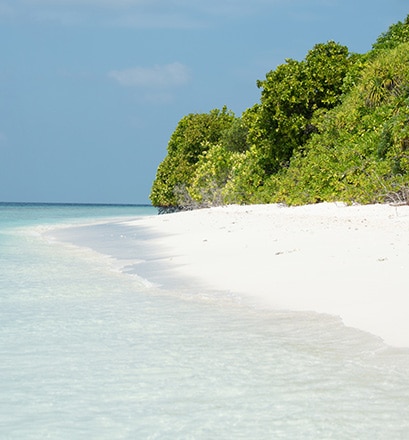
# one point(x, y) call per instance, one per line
point(90, 352)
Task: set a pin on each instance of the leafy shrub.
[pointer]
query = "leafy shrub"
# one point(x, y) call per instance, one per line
point(213, 171)
point(362, 150)
point(334, 126)
point(191, 138)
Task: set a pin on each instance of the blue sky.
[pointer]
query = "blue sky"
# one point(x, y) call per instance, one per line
point(91, 90)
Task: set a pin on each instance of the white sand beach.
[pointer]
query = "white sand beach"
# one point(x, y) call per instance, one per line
point(348, 261)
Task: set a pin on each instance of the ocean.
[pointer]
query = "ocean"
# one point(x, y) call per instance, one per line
point(91, 347)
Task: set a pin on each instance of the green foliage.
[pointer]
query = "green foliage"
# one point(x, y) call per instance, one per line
point(191, 139)
point(214, 169)
point(362, 150)
point(196, 131)
point(397, 34)
point(326, 67)
point(173, 172)
point(353, 75)
point(291, 94)
point(385, 78)
point(246, 178)
point(332, 127)
point(234, 138)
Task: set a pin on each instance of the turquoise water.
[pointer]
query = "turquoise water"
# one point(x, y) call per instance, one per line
point(88, 351)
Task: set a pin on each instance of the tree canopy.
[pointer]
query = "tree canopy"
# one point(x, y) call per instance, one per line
point(193, 136)
point(333, 126)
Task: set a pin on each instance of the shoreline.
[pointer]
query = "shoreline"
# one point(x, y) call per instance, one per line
point(346, 261)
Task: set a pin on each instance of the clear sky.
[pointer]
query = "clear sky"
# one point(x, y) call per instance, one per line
point(91, 90)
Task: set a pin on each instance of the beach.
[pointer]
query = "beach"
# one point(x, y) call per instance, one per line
point(346, 261)
point(217, 323)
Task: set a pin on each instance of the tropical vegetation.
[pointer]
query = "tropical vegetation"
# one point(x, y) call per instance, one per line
point(331, 127)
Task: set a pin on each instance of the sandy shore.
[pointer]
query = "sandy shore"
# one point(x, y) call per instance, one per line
point(350, 262)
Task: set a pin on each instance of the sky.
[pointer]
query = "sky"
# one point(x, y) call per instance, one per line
point(91, 90)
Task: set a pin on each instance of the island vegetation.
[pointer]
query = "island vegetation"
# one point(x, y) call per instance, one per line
point(331, 127)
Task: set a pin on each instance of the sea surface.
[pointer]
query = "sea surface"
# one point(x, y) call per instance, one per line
point(92, 350)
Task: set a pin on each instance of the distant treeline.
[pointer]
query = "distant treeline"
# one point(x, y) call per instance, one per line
point(332, 127)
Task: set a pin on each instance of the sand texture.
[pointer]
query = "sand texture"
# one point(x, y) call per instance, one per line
point(348, 261)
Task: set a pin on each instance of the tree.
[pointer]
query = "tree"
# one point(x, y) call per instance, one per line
point(361, 153)
point(234, 138)
point(334, 126)
point(281, 123)
point(397, 34)
point(191, 139)
point(214, 170)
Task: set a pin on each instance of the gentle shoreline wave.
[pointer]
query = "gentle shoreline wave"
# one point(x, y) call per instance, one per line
point(347, 261)
point(89, 351)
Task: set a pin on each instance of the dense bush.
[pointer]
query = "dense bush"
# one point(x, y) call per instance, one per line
point(360, 153)
point(334, 126)
point(193, 136)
